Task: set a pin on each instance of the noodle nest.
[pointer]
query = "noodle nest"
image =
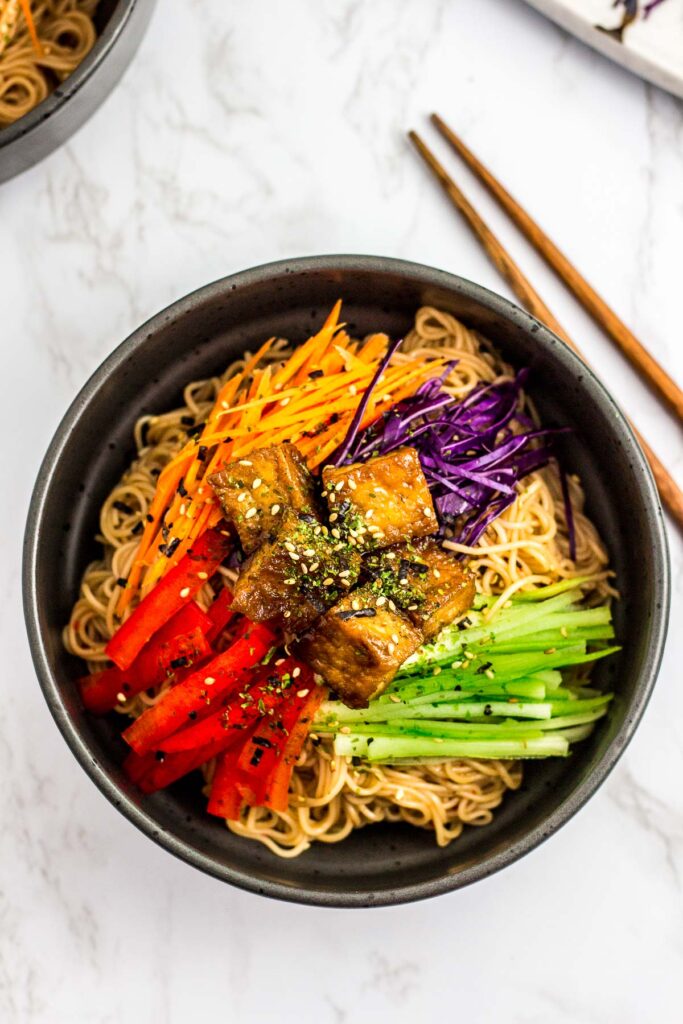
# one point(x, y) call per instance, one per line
point(331, 796)
point(66, 34)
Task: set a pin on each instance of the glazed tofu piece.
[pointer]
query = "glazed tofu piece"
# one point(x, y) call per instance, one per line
point(291, 580)
point(359, 645)
point(425, 581)
point(382, 501)
point(255, 491)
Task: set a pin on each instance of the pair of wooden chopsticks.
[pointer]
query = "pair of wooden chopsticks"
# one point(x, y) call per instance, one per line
point(663, 386)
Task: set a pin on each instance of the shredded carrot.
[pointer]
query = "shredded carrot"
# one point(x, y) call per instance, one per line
point(261, 406)
point(31, 26)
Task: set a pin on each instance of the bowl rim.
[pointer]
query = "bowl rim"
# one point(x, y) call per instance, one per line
point(38, 510)
point(103, 45)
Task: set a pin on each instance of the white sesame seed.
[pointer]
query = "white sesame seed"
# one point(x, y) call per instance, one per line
point(437, 574)
point(334, 517)
point(391, 554)
point(250, 513)
point(335, 533)
point(302, 693)
point(313, 566)
point(293, 555)
point(338, 486)
point(183, 509)
point(400, 793)
point(489, 673)
point(287, 614)
point(392, 606)
point(469, 655)
point(185, 592)
point(290, 582)
point(381, 600)
point(309, 551)
point(328, 582)
point(345, 583)
point(456, 664)
point(242, 496)
point(331, 499)
point(412, 607)
point(393, 697)
point(304, 568)
point(289, 545)
point(369, 514)
point(394, 637)
point(437, 670)
point(403, 582)
point(352, 483)
point(353, 390)
point(427, 512)
point(345, 572)
point(338, 547)
point(245, 462)
point(317, 531)
point(202, 575)
point(296, 672)
point(224, 405)
point(280, 661)
point(257, 483)
point(209, 681)
point(355, 604)
point(121, 697)
point(345, 730)
point(285, 401)
point(274, 509)
point(563, 631)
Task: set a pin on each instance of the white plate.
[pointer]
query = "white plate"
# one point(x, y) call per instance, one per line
point(651, 46)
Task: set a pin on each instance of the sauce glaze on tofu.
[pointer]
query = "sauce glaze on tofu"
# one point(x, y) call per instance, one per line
point(359, 645)
point(289, 581)
point(381, 502)
point(424, 581)
point(254, 492)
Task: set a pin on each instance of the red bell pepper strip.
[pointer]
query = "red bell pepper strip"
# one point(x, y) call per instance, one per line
point(174, 590)
point(277, 797)
point(260, 756)
point(226, 672)
point(182, 636)
point(220, 614)
point(225, 799)
point(192, 747)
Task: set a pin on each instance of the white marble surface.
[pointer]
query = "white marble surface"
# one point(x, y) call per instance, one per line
point(250, 131)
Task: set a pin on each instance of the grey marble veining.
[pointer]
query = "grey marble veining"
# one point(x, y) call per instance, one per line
point(245, 132)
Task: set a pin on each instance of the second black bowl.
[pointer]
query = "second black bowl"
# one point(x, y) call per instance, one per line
point(196, 338)
point(121, 25)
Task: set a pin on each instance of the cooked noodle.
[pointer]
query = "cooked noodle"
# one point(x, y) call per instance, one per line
point(329, 796)
point(66, 33)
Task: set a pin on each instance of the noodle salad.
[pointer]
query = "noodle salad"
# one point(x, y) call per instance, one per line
point(348, 582)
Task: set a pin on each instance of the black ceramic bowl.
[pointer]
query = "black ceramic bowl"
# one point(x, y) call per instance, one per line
point(121, 25)
point(197, 337)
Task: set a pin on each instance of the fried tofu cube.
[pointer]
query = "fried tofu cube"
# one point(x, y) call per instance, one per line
point(255, 491)
point(291, 580)
point(359, 645)
point(382, 501)
point(423, 579)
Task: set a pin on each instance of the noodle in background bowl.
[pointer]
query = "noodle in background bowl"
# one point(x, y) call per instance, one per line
point(198, 337)
point(121, 25)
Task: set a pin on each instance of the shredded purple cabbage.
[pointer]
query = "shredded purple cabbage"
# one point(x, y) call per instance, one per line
point(473, 450)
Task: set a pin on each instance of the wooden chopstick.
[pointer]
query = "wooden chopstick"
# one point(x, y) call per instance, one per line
point(669, 491)
point(636, 353)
